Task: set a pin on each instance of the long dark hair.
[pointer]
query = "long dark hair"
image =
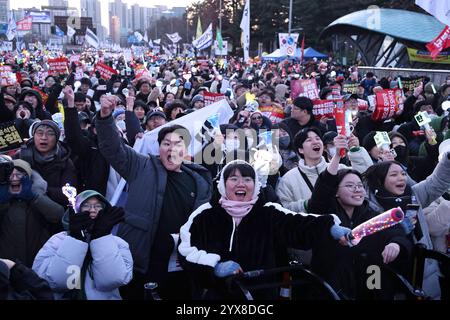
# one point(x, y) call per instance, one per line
point(374, 176)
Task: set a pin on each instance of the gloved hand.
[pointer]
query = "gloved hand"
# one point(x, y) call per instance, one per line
point(227, 268)
point(188, 85)
point(5, 196)
point(26, 193)
point(106, 220)
point(337, 232)
point(79, 222)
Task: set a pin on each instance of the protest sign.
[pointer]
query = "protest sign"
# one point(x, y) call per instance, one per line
point(9, 137)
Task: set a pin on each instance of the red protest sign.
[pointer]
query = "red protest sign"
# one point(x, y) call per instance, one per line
point(25, 24)
point(211, 98)
point(387, 104)
point(323, 108)
point(440, 43)
point(106, 71)
point(275, 113)
point(304, 88)
point(8, 78)
point(58, 65)
point(142, 72)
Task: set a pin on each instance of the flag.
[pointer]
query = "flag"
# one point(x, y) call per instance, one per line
point(288, 43)
point(70, 31)
point(205, 40)
point(12, 28)
point(145, 37)
point(174, 37)
point(219, 39)
point(59, 32)
point(91, 38)
point(245, 26)
point(25, 24)
point(439, 9)
point(150, 43)
point(138, 36)
point(157, 41)
point(440, 43)
point(199, 29)
point(303, 49)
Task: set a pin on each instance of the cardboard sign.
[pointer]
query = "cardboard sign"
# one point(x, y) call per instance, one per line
point(211, 98)
point(422, 118)
point(382, 139)
point(350, 88)
point(106, 71)
point(323, 108)
point(57, 66)
point(387, 104)
point(410, 84)
point(9, 137)
point(8, 78)
point(304, 88)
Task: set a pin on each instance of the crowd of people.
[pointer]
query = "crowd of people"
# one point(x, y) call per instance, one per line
point(189, 225)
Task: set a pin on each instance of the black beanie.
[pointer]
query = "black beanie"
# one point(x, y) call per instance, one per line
point(369, 141)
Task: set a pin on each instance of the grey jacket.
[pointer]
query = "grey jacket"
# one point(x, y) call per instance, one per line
point(146, 178)
point(426, 192)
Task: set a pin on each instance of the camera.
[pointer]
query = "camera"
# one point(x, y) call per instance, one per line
point(6, 168)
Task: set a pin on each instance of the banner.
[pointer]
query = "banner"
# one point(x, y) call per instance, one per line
point(92, 38)
point(8, 78)
point(245, 27)
point(7, 46)
point(410, 84)
point(387, 104)
point(288, 43)
point(438, 9)
point(205, 40)
point(304, 88)
point(323, 108)
point(211, 98)
point(425, 56)
point(9, 137)
point(39, 16)
point(25, 24)
point(440, 43)
point(106, 71)
point(57, 66)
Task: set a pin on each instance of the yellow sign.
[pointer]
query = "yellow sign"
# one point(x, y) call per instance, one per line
point(425, 56)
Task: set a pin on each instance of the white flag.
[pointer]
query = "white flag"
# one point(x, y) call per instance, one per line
point(440, 9)
point(245, 26)
point(288, 43)
point(174, 37)
point(12, 28)
point(157, 41)
point(138, 36)
point(70, 31)
point(205, 40)
point(150, 43)
point(91, 38)
point(146, 37)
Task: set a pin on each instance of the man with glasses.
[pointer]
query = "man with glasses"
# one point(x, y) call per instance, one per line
point(51, 158)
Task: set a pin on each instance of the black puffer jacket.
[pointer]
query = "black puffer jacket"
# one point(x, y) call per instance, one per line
point(210, 237)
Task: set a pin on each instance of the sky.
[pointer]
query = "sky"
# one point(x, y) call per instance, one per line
point(15, 4)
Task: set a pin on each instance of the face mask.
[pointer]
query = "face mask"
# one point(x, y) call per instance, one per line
point(121, 125)
point(332, 151)
point(401, 152)
point(231, 144)
point(114, 90)
point(284, 142)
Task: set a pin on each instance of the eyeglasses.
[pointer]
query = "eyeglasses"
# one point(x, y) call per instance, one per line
point(353, 187)
point(237, 180)
point(87, 207)
point(45, 133)
point(256, 118)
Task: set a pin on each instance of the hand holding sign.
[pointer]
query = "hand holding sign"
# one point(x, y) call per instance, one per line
point(423, 120)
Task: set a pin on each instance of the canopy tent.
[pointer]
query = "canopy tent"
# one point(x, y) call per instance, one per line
point(309, 54)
